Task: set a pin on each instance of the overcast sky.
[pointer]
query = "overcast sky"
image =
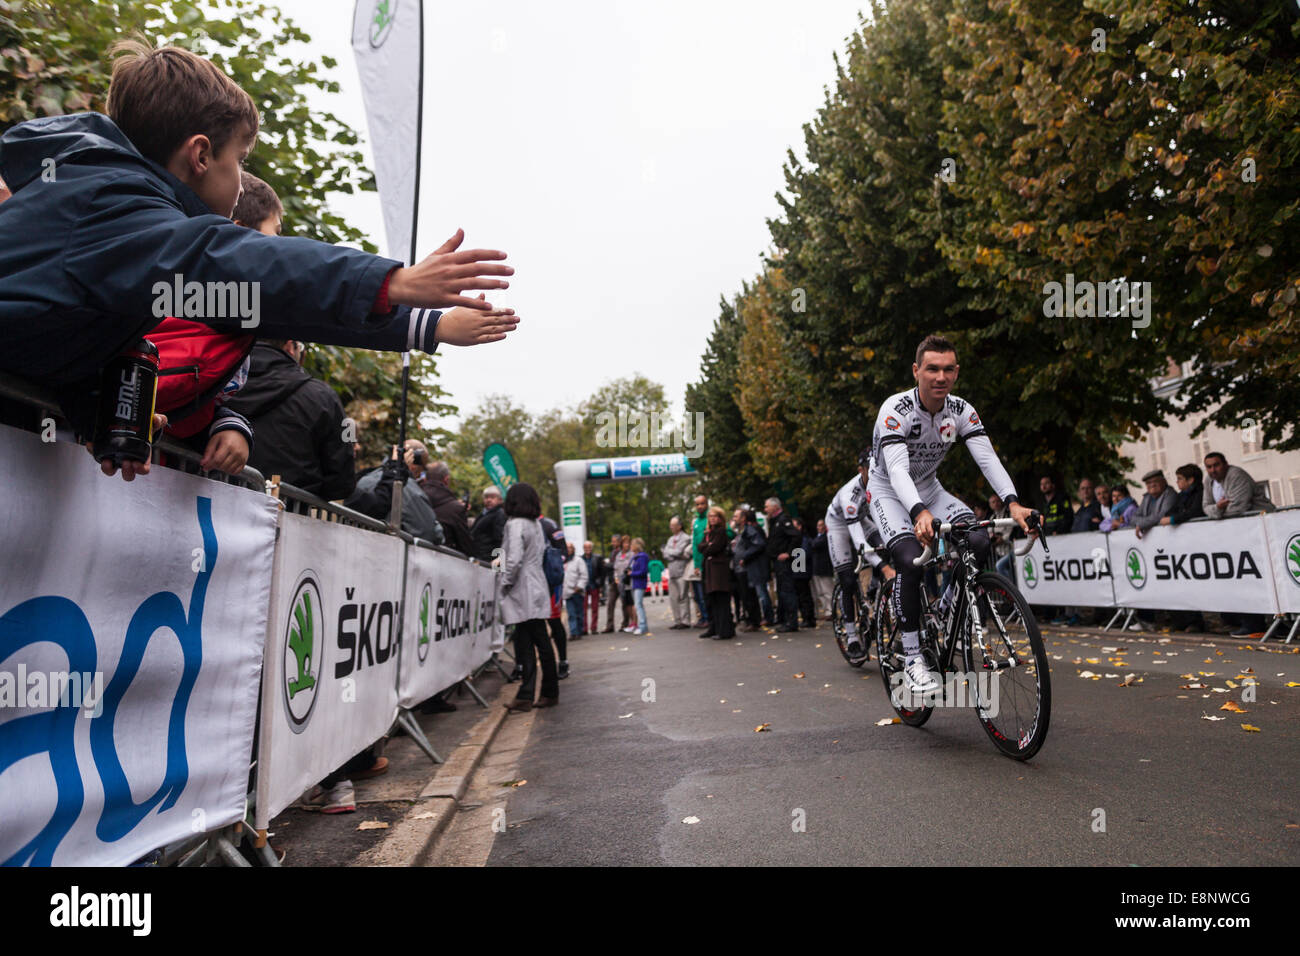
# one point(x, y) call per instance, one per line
point(625, 155)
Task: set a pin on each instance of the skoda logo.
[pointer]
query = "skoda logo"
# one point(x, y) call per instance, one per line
point(1135, 568)
point(304, 651)
point(381, 22)
point(1291, 558)
point(1031, 573)
point(426, 610)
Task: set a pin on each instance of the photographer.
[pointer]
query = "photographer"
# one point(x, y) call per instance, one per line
point(374, 497)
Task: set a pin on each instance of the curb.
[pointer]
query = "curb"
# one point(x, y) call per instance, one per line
point(412, 840)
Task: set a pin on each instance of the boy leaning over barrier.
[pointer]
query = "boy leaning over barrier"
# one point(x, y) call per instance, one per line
point(114, 219)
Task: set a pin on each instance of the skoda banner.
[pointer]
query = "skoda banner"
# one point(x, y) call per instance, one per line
point(1076, 573)
point(1283, 529)
point(332, 641)
point(130, 652)
point(1208, 565)
point(451, 614)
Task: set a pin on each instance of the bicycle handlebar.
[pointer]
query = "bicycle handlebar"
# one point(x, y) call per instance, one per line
point(998, 524)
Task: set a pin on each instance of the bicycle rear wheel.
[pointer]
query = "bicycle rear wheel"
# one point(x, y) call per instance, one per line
point(889, 649)
point(837, 626)
point(1013, 686)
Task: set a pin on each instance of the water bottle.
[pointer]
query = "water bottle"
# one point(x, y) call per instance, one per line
point(128, 387)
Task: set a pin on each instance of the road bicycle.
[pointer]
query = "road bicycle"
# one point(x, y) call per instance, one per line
point(984, 616)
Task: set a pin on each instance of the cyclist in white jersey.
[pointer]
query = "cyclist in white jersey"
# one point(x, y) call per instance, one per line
point(849, 530)
point(913, 433)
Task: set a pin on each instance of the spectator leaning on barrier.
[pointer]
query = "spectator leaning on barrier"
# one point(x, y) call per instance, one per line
point(801, 571)
point(677, 553)
point(373, 496)
point(116, 213)
point(1088, 517)
point(1156, 503)
point(1101, 494)
point(1122, 507)
point(1057, 513)
point(485, 535)
point(299, 420)
point(526, 598)
point(1230, 490)
point(1187, 505)
point(436, 482)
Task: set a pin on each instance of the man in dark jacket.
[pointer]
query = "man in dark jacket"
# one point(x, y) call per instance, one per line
point(751, 549)
point(373, 496)
point(490, 528)
point(782, 541)
point(801, 568)
point(435, 479)
point(1187, 504)
point(1088, 517)
point(302, 433)
point(1058, 516)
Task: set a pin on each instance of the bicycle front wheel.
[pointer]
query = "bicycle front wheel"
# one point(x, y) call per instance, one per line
point(1013, 686)
point(837, 627)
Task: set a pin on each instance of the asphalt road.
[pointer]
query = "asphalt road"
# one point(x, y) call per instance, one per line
point(611, 777)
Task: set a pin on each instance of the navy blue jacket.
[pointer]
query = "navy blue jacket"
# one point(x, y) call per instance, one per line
point(84, 240)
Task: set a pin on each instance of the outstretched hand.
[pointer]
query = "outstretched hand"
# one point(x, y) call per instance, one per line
point(438, 280)
point(465, 326)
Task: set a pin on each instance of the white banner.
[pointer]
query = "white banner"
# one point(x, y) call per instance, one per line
point(1076, 573)
point(1283, 531)
point(330, 687)
point(131, 623)
point(386, 38)
point(1201, 565)
point(451, 616)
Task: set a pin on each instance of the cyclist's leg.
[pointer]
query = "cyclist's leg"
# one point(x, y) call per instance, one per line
point(843, 560)
point(895, 528)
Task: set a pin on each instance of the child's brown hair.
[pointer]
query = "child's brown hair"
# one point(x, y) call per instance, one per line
point(257, 203)
point(159, 97)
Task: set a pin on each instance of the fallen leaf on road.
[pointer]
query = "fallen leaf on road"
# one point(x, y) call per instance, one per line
point(1292, 683)
point(762, 727)
point(775, 690)
point(1109, 676)
point(624, 716)
point(1219, 690)
point(816, 645)
point(741, 684)
point(512, 783)
point(690, 820)
point(799, 676)
point(1131, 679)
point(1235, 707)
point(373, 825)
point(1089, 675)
point(887, 721)
point(426, 815)
point(1186, 676)
point(1208, 717)
point(1250, 728)
point(1293, 826)
point(735, 711)
point(1231, 684)
point(723, 701)
point(1092, 660)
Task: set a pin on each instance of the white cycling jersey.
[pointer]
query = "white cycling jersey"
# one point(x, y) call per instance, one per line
point(848, 523)
point(909, 443)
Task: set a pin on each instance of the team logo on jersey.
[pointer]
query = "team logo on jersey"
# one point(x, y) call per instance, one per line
point(948, 430)
point(974, 418)
point(851, 510)
point(892, 423)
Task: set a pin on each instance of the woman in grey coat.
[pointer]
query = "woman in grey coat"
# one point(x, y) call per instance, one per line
point(525, 598)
